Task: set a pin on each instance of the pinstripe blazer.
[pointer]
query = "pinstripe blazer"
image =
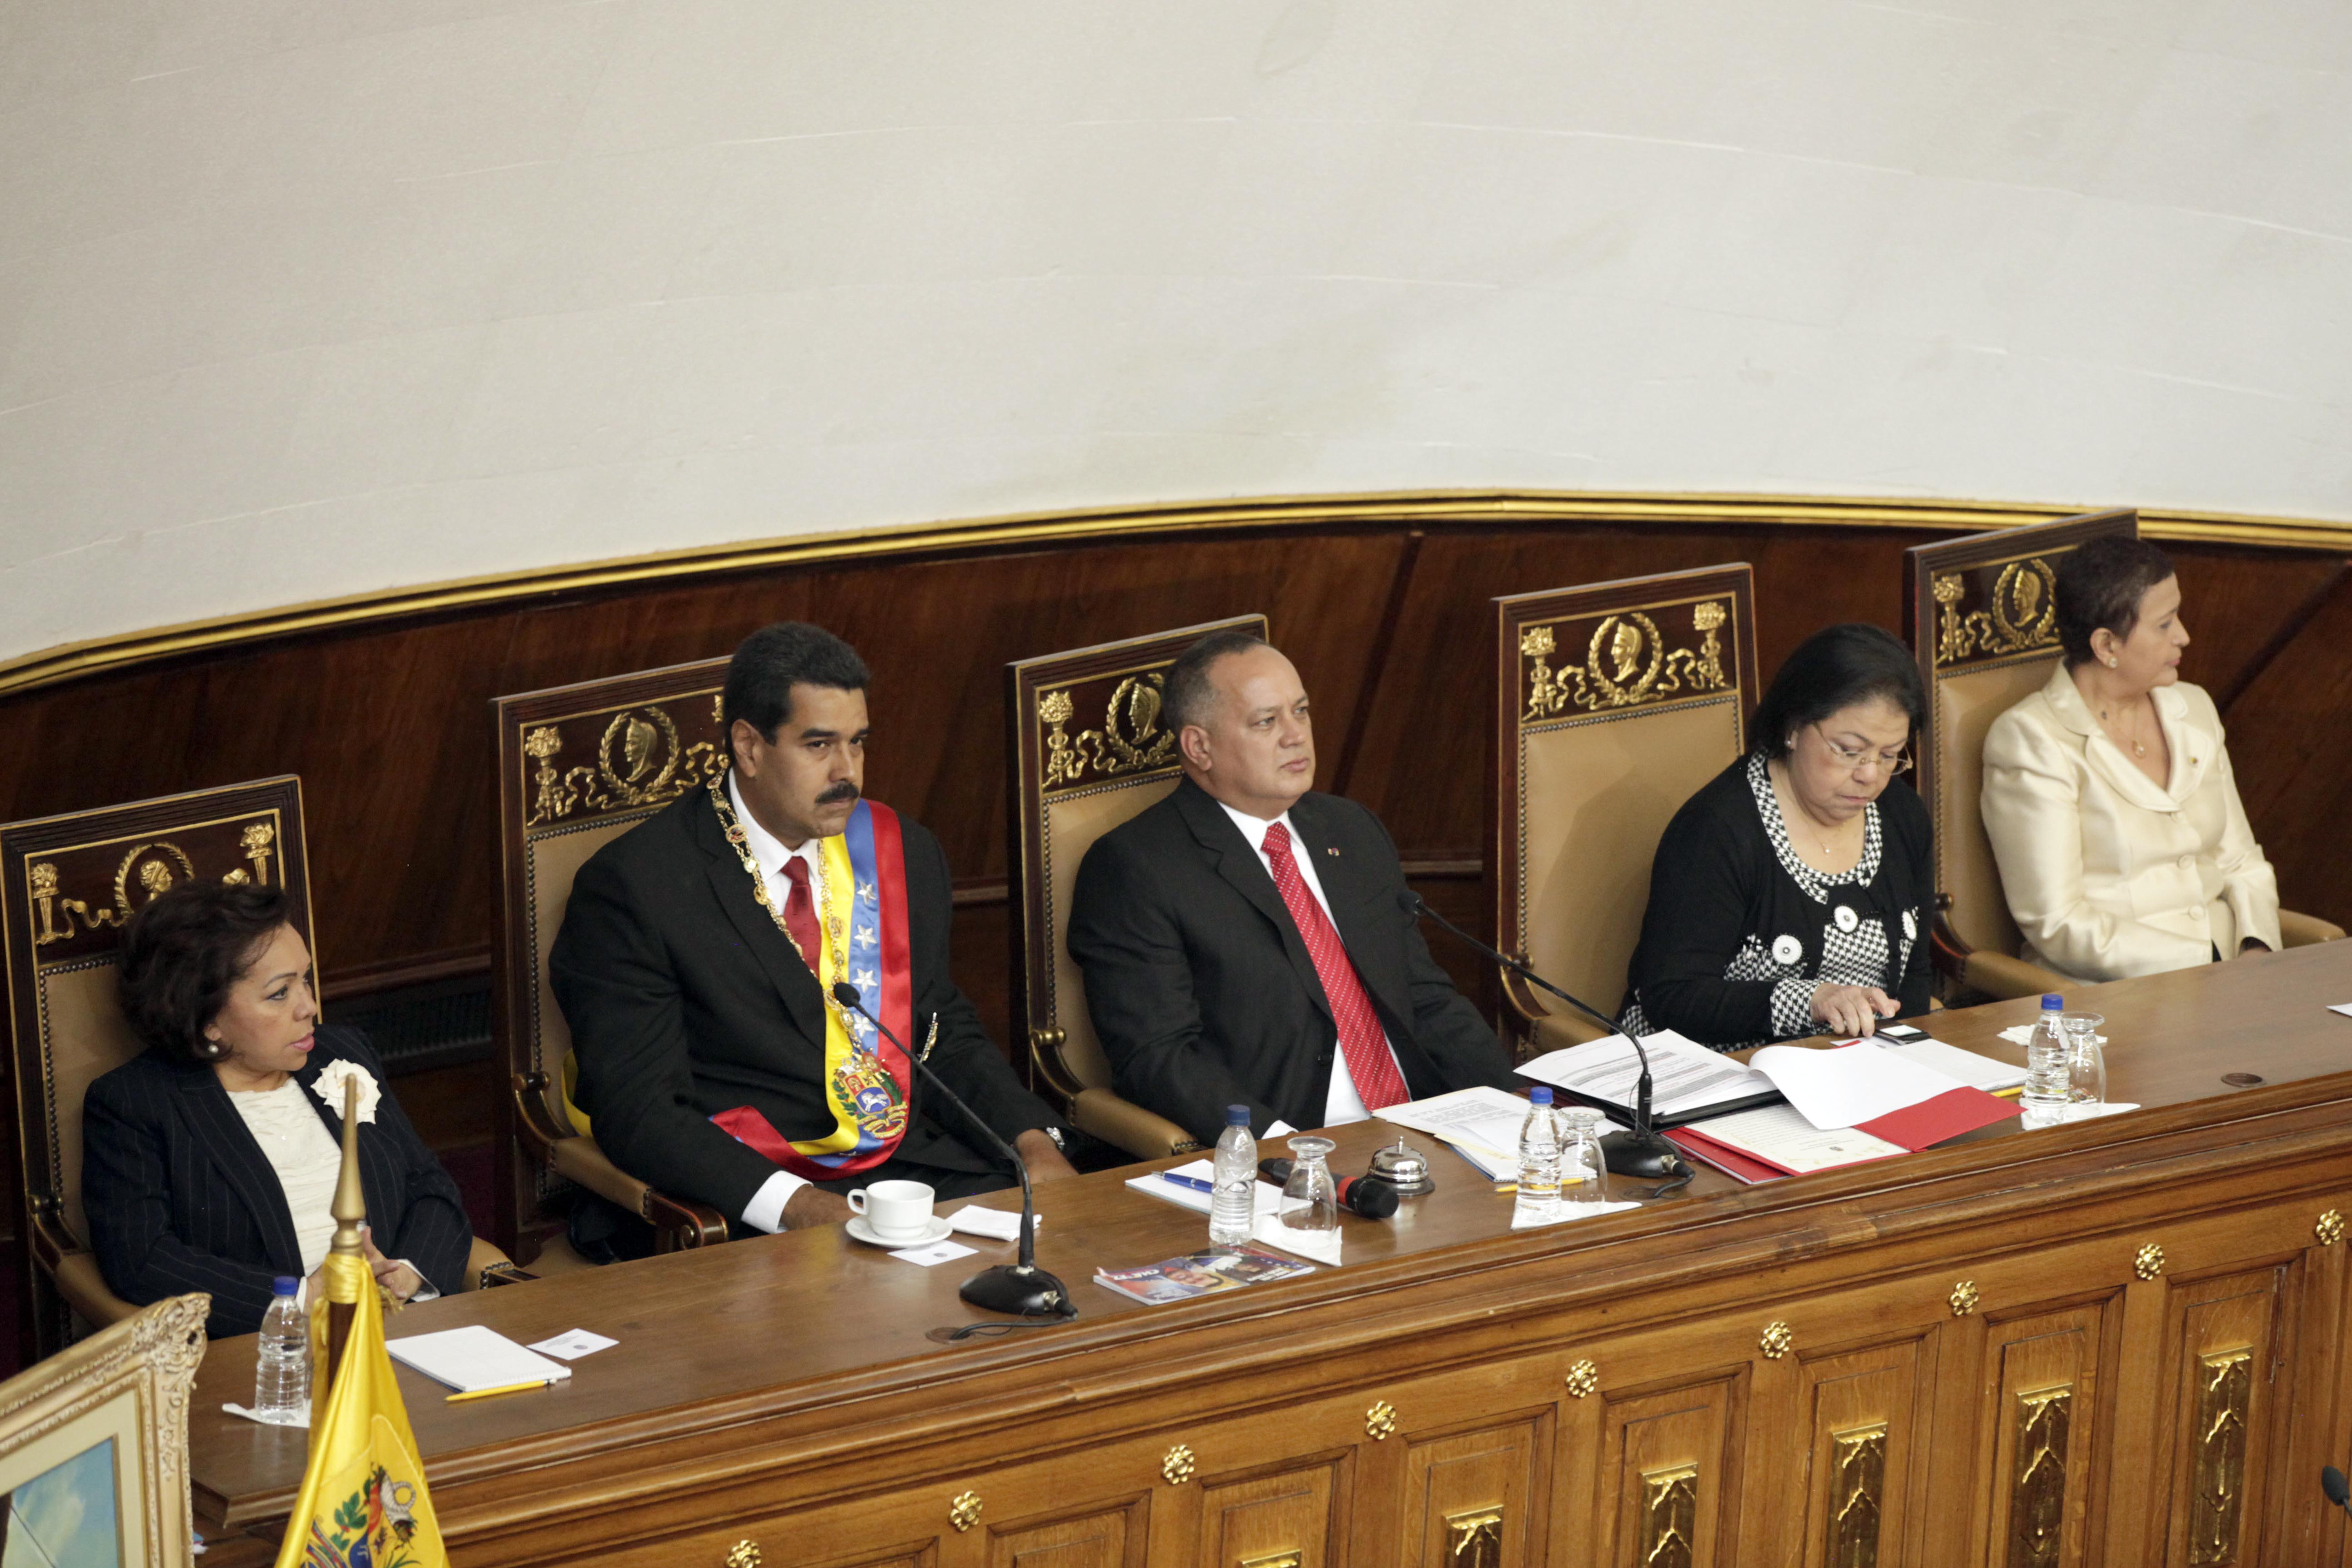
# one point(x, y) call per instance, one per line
point(180, 1196)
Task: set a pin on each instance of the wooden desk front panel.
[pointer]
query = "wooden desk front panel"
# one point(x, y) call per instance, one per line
point(2074, 1413)
point(1983, 1361)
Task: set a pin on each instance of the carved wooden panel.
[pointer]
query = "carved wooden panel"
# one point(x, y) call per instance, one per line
point(1669, 1476)
point(1862, 1414)
point(1112, 1537)
point(2037, 1425)
point(1470, 1497)
point(1294, 1510)
point(2217, 1442)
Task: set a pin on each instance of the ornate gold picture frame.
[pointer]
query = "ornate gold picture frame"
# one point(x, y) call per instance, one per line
point(95, 1440)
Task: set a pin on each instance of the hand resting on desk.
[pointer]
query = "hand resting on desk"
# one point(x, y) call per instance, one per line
point(1852, 1010)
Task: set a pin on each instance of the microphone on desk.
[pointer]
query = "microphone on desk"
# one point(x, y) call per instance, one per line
point(1357, 1194)
point(2331, 1481)
point(1640, 1152)
point(1021, 1288)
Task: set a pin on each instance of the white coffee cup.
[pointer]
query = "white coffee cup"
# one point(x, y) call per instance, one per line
point(895, 1211)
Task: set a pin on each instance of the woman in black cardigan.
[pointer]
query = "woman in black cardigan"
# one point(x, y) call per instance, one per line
point(1792, 895)
point(208, 1161)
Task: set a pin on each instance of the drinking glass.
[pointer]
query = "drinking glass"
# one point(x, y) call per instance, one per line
point(1310, 1200)
point(2086, 1060)
point(1583, 1172)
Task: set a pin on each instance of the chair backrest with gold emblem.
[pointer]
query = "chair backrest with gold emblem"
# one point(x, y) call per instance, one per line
point(1614, 703)
point(1981, 615)
point(579, 766)
point(73, 883)
point(1087, 752)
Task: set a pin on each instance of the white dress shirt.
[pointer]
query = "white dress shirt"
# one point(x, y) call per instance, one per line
point(766, 1209)
point(1343, 1104)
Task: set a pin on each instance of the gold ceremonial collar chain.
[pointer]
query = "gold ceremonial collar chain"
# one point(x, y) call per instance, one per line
point(851, 1023)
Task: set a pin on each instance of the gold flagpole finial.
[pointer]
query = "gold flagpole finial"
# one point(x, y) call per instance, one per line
point(349, 1206)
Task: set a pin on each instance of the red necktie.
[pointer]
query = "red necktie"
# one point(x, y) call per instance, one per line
point(1361, 1042)
point(799, 912)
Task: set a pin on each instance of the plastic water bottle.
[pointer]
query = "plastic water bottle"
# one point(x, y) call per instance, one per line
point(2047, 1085)
point(1539, 1196)
point(281, 1364)
point(1233, 1208)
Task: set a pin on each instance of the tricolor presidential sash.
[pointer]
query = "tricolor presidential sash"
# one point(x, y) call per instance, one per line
point(863, 938)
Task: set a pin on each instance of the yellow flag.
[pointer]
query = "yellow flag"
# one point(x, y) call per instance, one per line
point(362, 1502)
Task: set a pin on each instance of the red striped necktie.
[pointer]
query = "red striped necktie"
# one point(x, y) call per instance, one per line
point(799, 912)
point(1361, 1042)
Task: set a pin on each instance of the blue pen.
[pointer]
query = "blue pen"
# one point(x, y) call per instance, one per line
point(1195, 1183)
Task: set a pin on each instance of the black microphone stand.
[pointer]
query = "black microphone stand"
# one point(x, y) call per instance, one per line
point(1643, 1151)
point(1021, 1288)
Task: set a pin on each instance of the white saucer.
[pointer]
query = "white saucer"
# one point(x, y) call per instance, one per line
point(938, 1230)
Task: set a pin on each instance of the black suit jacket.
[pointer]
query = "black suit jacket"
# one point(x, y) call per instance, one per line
point(1201, 989)
point(179, 1197)
point(685, 1000)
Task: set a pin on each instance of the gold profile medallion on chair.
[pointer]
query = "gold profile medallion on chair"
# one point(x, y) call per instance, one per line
point(1614, 703)
point(579, 766)
point(1087, 752)
point(74, 883)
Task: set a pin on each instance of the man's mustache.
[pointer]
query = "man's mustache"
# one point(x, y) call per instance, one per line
point(844, 792)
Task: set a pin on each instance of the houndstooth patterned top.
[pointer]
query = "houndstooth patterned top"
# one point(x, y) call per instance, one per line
point(1732, 904)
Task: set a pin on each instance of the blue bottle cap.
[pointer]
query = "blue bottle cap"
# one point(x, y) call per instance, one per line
point(2052, 1002)
point(287, 1285)
point(1539, 1096)
point(1237, 1116)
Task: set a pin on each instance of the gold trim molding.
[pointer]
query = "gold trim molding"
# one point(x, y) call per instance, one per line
point(71, 661)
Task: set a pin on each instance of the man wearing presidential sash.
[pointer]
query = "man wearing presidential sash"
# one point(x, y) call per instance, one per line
point(699, 951)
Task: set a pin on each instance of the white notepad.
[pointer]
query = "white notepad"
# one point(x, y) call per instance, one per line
point(474, 1358)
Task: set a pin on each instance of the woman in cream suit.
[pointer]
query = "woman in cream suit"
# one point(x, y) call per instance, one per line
point(2108, 794)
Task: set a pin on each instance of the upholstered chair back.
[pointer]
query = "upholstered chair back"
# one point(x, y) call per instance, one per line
point(579, 766)
point(1614, 703)
point(74, 882)
point(1087, 752)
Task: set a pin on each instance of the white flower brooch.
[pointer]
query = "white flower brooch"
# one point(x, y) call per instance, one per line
point(329, 1086)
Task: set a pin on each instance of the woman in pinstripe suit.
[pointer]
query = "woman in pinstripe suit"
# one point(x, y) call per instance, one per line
point(209, 1161)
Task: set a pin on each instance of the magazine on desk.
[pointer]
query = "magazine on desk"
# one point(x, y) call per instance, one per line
point(1200, 1274)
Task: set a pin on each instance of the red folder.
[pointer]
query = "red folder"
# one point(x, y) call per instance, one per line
point(1956, 1111)
point(1949, 1114)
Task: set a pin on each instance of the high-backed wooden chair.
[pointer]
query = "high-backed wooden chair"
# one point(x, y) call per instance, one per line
point(73, 883)
point(1614, 703)
point(1981, 615)
point(579, 766)
point(1087, 752)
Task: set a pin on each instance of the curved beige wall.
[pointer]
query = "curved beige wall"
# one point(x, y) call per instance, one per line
point(303, 300)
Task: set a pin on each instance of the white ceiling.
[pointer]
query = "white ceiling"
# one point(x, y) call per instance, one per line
point(301, 299)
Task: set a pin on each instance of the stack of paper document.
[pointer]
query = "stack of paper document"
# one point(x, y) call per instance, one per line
point(474, 1358)
point(1686, 1079)
point(1976, 1070)
point(1194, 1198)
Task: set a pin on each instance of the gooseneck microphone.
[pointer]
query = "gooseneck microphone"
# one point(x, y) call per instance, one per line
point(1640, 1152)
point(1358, 1195)
point(2331, 1481)
point(1021, 1288)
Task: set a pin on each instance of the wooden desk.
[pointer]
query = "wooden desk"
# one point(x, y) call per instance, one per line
point(2079, 1345)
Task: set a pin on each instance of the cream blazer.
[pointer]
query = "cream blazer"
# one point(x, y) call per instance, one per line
point(2107, 873)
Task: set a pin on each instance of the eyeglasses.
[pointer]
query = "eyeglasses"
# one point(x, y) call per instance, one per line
point(1899, 762)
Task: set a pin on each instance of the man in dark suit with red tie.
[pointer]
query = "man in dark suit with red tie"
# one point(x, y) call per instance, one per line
point(1246, 941)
